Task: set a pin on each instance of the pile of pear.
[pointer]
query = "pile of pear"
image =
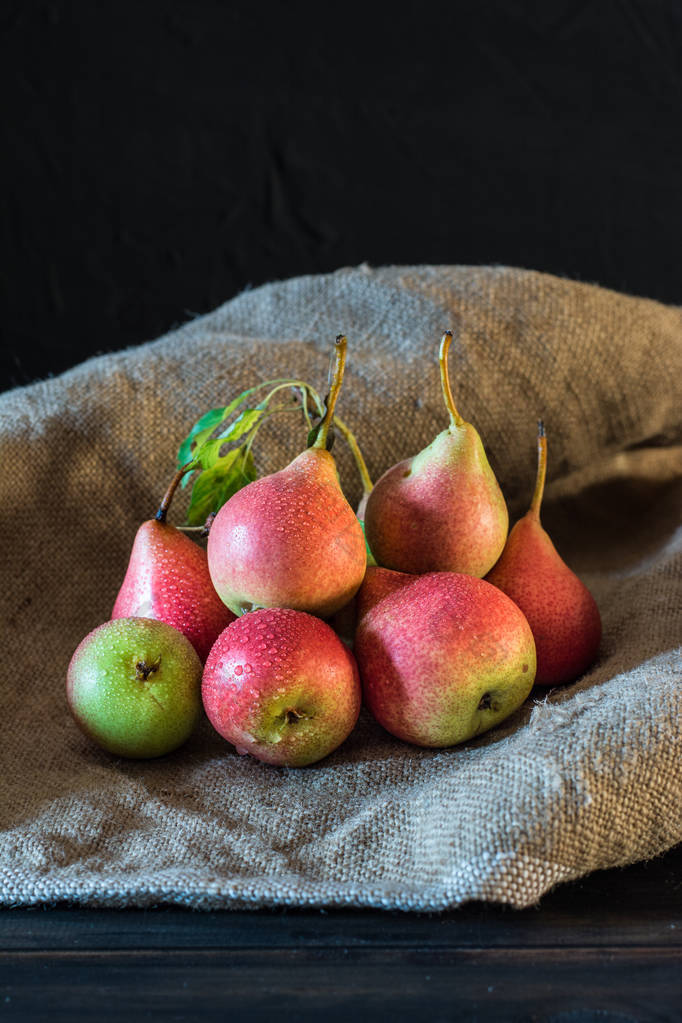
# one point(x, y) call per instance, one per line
point(447, 624)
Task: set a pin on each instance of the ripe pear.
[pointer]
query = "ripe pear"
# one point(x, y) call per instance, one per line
point(442, 510)
point(291, 539)
point(443, 657)
point(281, 686)
point(168, 579)
point(561, 610)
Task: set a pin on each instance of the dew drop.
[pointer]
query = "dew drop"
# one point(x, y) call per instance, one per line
point(238, 669)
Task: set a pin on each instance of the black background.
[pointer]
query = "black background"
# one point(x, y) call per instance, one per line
point(161, 155)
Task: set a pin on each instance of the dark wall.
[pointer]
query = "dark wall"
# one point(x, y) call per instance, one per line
point(160, 155)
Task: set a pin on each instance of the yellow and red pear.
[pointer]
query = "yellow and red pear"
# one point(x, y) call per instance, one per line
point(443, 657)
point(168, 579)
point(291, 539)
point(441, 510)
point(561, 611)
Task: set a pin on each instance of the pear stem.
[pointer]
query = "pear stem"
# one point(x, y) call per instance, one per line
point(534, 509)
point(337, 380)
point(168, 496)
point(445, 341)
point(352, 443)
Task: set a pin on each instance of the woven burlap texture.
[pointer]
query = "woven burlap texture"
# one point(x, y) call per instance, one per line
point(583, 777)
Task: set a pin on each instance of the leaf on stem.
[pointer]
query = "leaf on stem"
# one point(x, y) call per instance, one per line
point(216, 485)
point(204, 426)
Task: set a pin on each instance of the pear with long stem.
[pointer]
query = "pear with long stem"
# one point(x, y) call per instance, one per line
point(291, 539)
point(561, 611)
point(442, 510)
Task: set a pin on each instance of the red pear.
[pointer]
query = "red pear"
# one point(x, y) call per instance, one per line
point(280, 685)
point(443, 509)
point(443, 657)
point(168, 579)
point(561, 611)
point(291, 539)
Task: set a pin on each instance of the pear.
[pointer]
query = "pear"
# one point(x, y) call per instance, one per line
point(168, 579)
point(281, 686)
point(443, 509)
point(443, 657)
point(134, 687)
point(291, 539)
point(561, 610)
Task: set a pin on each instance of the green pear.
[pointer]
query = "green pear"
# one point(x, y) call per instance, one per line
point(441, 510)
point(134, 687)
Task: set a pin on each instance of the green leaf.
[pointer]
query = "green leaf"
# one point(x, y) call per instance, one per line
point(216, 485)
point(242, 424)
point(205, 425)
point(208, 454)
point(208, 489)
point(208, 423)
point(207, 450)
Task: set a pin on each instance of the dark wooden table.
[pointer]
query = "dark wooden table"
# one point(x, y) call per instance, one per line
point(607, 949)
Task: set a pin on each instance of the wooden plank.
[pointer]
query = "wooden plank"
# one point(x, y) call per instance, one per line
point(476, 926)
point(607, 985)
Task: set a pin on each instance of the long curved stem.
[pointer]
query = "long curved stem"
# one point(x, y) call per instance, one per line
point(168, 496)
point(337, 380)
point(445, 341)
point(534, 509)
point(352, 443)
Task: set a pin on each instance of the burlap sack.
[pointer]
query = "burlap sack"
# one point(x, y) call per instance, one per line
point(587, 777)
